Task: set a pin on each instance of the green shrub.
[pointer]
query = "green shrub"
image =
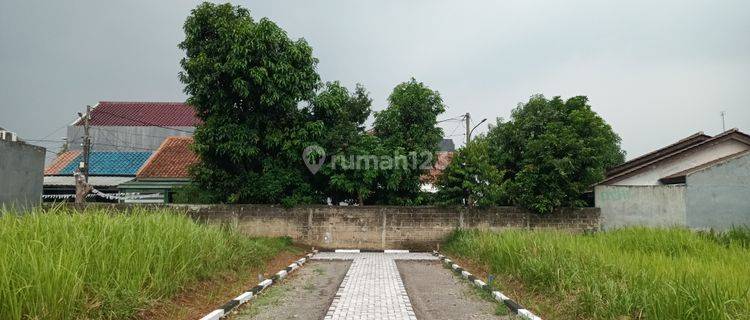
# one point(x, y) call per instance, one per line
point(628, 273)
point(106, 265)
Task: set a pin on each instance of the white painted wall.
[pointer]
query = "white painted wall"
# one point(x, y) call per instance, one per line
point(125, 138)
point(651, 176)
point(655, 206)
point(719, 197)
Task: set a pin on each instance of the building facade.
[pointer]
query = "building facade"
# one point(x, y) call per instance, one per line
point(21, 167)
point(700, 182)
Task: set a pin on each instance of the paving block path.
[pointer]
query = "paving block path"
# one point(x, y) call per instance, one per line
point(372, 288)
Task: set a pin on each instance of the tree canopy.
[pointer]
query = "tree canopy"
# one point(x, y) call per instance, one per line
point(408, 127)
point(471, 178)
point(264, 109)
point(551, 151)
point(245, 78)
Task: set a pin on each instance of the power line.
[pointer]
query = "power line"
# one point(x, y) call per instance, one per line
point(132, 134)
point(456, 118)
point(142, 122)
point(131, 147)
point(454, 130)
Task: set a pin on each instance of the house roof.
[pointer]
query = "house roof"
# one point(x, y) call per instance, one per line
point(680, 177)
point(159, 114)
point(102, 163)
point(446, 145)
point(61, 162)
point(679, 145)
point(171, 161)
point(96, 181)
point(733, 134)
point(442, 161)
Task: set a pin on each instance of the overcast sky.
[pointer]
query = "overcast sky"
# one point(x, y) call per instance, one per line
point(657, 71)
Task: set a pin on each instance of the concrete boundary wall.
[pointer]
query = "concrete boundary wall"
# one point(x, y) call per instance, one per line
point(651, 206)
point(379, 227)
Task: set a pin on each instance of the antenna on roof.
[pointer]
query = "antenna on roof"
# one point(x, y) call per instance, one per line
point(723, 124)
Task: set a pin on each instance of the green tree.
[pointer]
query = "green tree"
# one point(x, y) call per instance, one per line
point(470, 178)
point(245, 79)
point(342, 115)
point(551, 151)
point(408, 127)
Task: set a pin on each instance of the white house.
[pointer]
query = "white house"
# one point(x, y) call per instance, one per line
point(698, 182)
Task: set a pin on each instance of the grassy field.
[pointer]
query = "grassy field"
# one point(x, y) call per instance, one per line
point(633, 273)
point(102, 265)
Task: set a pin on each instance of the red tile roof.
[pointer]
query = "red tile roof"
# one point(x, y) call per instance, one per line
point(442, 161)
point(164, 114)
point(61, 162)
point(171, 161)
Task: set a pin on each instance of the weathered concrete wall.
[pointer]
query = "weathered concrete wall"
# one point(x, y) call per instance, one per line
point(656, 206)
point(21, 174)
point(719, 197)
point(125, 138)
point(379, 227)
point(383, 227)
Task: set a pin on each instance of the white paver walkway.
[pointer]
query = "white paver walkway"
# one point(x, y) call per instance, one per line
point(372, 288)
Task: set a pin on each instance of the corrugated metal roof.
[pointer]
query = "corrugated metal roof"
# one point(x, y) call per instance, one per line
point(165, 114)
point(105, 163)
point(97, 181)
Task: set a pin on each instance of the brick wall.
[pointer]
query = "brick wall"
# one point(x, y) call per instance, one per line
point(383, 227)
point(380, 227)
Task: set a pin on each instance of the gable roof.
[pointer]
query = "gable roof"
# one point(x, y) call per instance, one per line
point(442, 161)
point(680, 177)
point(158, 114)
point(687, 142)
point(106, 163)
point(61, 162)
point(733, 134)
point(171, 161)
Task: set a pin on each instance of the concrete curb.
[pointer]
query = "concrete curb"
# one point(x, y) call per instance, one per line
point(369, 251)
point(499, 296)
point(228, 307)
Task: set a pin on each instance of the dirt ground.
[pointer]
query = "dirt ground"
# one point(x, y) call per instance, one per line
point(436, 293)
point(306, 294)
point(201, 298)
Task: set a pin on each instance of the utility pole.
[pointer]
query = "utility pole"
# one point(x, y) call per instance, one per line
point(723, 124)
point(82, 177)
point(467, 118)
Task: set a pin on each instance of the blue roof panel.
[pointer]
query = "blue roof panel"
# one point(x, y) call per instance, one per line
point(110, 163)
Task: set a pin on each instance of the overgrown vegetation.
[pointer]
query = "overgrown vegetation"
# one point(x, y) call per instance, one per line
point(100, 264)
point(634, 273)
point(544, 157)
point(262, 103)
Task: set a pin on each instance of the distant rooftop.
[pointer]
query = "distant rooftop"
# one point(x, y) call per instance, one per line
point(446, 145)
point(102, 163)
point(164, 114)
point(171, 161)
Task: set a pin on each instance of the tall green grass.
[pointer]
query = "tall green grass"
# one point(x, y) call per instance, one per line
point(635, 273)
point(105, 265)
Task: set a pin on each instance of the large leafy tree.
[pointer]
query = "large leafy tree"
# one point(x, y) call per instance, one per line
point(342, 115)
point(408, 127)
point(471, 178)
point(245, 79)
point(551, 151)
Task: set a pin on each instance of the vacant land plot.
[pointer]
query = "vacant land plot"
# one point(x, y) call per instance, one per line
point(437, 294)
point(97, 264)
point(633, 273)
point(306, 295)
